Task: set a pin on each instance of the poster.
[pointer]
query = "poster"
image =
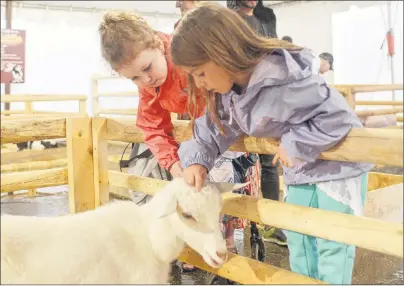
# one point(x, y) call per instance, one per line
point(12, 56)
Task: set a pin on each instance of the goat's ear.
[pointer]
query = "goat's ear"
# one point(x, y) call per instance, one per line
point(168, 206)
point(228, 187)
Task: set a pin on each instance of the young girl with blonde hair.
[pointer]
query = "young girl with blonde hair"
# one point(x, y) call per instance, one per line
point(266, 88)
point(141, 54)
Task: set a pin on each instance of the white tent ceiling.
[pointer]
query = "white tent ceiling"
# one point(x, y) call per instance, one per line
point(167, 8)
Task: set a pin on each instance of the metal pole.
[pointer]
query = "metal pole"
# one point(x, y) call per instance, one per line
point(9, 9)
point(389, 18)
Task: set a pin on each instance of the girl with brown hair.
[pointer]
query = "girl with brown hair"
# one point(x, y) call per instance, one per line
point(266, 88)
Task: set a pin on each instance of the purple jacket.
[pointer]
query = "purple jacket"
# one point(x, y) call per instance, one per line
point(283, 100)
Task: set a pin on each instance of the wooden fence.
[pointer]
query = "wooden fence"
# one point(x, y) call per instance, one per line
point(95, 96)
point(89, 180)
point(30, 112)
point(393, 106)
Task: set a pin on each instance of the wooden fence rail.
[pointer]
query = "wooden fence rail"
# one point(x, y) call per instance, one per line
point(29, 99)
point(361, 145)
point(363, 232)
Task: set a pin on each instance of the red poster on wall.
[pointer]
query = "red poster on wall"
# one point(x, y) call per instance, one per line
point(12, 56)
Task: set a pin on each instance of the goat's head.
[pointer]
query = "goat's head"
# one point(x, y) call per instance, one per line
point(194, 218)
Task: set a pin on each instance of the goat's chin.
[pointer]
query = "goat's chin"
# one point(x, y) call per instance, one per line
point(213, 260)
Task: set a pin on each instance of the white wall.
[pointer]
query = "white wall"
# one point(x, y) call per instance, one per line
point(358, 53)
point(63, 51)
point(309, 23)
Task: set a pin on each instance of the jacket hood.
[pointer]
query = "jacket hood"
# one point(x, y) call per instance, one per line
point(281, 67)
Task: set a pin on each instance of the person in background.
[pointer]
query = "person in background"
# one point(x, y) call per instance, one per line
point(263, 21)
point(326, 63)
point(184, 7)
point(287, 39)
point(260, 18)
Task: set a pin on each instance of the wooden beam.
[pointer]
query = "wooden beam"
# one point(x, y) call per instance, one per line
point(9, 112)
point(33, 155)
point(118, 94)
point(33, 179)
point(41, 97)
point(80, 164)
point(128, 111)
point(48, 164)
point(360, 145)
point(27, 159)
point(55, 113)
point(380, 180)
point(363, 232)
point(379, 102)
point(32, 130)
point(39, 114)
point(94, 96)
point(385, 87)
point(364, 113)
point(32, 166)
point(100, 149)
point(83, 107)
point(245, 270)
point(376, 88)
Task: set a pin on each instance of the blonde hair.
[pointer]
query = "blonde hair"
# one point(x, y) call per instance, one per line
point(215, 33)
point(123, 36)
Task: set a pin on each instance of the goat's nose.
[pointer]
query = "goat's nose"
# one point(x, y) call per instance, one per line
point(222, 255)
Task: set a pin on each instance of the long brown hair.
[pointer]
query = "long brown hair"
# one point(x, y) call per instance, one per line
point(215, 33)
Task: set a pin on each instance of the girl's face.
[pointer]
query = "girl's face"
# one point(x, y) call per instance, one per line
point(147, 70)
point(211, 77)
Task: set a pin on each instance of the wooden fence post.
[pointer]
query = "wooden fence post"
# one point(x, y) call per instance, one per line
point(94, 97)
point(83, 107)
point(80, 164)
point(100, 157)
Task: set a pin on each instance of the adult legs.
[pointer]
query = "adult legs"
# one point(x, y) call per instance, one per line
point(270, 190)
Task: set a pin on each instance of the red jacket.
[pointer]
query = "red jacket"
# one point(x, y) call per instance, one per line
point(154, 109)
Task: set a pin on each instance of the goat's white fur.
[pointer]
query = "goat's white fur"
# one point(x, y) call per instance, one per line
point(120, 243)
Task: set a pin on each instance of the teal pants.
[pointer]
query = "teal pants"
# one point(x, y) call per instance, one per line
point(322, 259)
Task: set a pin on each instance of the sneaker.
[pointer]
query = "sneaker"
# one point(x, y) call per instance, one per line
point(274, 235)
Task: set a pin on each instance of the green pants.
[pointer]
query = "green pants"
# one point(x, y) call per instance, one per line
point(322, 259)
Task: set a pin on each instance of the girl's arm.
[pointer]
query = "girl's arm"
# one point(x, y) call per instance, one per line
point(207, 143)
point(156, 124)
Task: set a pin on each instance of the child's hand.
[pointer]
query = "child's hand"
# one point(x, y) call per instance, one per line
point(176, 169)
point(283, 157)
point(195, 175)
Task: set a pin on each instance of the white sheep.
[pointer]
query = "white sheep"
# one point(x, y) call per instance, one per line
point(119, 243)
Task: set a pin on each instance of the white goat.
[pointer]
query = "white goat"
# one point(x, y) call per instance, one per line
point(120, 243)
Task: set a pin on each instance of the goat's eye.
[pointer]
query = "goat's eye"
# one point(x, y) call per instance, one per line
point(187, 216)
